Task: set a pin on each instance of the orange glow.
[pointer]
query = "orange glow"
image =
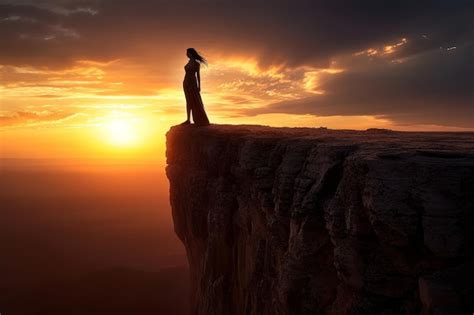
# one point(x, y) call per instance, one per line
point(121, 133)
point(382, 51)
point(312, 78)
point(390, 49)
point(122, 109)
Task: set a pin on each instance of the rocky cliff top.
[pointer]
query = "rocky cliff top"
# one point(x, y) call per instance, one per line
point(452, 144)
point(304, 221)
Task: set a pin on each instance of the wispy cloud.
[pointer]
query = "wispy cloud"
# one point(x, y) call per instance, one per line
point(26, 118)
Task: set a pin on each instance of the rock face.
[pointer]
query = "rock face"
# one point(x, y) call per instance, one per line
point(316, 221)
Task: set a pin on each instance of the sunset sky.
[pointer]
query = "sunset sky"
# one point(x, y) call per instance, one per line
point(103, 79)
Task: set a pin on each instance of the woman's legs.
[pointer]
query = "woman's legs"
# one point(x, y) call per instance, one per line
point(199, 114)
point(188, 114)
point(188, 107)
point(194, 104)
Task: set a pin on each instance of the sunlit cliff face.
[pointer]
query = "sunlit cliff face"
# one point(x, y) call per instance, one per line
point(74, 82)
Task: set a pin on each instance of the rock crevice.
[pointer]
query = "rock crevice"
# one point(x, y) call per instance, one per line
point(316, 221)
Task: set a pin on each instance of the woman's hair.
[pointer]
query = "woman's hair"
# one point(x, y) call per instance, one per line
point(197, 56)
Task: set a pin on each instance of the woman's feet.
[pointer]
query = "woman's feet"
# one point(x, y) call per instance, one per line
point(187, 122)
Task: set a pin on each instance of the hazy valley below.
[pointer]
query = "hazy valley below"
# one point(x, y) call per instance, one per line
point(88, 240)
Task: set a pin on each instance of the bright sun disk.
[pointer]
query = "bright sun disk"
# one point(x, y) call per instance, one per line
point(121, 132)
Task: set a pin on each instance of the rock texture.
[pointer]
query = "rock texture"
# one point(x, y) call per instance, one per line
point(316, 221)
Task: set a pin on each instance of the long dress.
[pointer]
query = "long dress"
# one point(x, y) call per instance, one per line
point(193, 97)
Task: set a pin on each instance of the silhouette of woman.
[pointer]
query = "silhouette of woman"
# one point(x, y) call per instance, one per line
point(192, 89)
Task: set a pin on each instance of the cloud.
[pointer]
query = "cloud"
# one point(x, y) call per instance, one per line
point(434, 87)
point(294, 33)
point(22, 118)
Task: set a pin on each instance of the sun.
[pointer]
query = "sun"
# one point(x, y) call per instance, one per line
point(121, 132)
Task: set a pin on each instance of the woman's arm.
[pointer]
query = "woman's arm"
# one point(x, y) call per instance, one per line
point(199, 79)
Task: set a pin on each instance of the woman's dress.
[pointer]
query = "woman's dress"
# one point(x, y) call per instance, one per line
point(193, 97)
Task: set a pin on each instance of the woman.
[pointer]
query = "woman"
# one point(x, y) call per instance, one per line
point(192, 89)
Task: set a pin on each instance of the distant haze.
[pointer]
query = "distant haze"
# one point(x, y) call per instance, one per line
point(60, 226)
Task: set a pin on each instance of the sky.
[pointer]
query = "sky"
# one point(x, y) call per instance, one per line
point(103, 79)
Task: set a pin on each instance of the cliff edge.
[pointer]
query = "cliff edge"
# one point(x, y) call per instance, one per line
point(317, 221)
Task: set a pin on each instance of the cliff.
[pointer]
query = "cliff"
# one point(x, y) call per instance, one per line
point(317, 221)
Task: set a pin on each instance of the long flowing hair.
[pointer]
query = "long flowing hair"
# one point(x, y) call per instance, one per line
point(197, 56)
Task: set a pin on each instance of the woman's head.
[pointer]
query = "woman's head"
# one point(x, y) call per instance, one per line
point(193, 54)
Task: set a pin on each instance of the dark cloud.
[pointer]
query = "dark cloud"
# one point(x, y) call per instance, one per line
point(291, 32)
point(434, 87)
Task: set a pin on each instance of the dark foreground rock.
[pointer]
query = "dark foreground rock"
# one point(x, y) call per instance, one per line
point(316, 221)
